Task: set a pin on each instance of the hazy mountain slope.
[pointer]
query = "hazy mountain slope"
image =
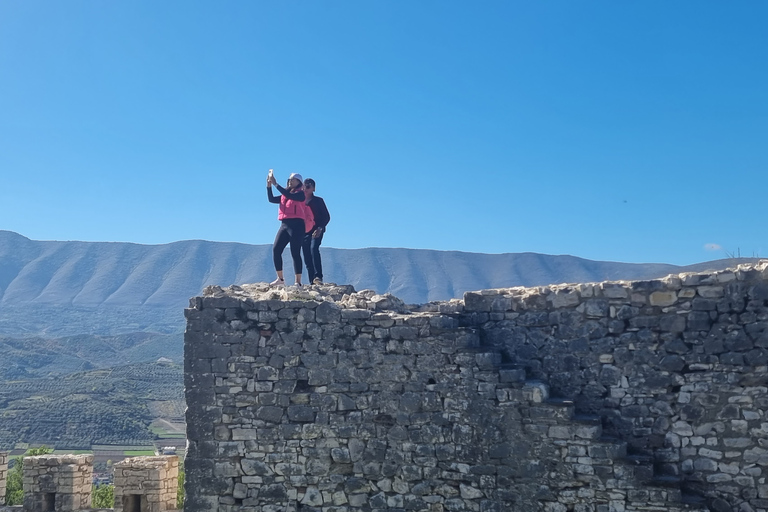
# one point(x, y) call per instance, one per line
point(35, 357)
point(123, 274)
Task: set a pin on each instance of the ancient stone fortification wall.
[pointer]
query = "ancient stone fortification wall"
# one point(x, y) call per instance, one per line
point(611, 396)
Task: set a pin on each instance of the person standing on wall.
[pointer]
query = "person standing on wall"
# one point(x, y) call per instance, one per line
point(314, 237)
point(294, 217)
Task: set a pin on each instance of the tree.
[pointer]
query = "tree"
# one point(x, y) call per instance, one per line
point(14, 492)
point(180, 491)
point(103, 496)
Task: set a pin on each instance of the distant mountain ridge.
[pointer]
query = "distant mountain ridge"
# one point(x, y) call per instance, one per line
point(90, 274)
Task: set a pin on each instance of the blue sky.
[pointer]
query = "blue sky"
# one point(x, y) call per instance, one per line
point(626, 131)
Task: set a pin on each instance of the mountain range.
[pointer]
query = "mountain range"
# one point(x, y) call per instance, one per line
point(108, 287)
point(127, 274)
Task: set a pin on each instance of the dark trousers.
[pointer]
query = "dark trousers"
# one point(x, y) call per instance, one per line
point(291, 231)
point(311, 248)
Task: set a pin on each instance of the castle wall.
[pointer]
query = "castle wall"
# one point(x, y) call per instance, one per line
point(306, 406)
point(612, 396)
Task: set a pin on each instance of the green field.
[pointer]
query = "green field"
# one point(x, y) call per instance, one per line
point(138, 453)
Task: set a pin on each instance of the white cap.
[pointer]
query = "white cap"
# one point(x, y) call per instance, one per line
point(297, 176)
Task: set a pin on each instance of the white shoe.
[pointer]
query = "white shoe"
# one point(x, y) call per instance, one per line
point(280, 283)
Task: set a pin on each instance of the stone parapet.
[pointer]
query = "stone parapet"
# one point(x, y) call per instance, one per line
point(3, 475)
point(645, 395)
point(57, 482)
point(146, 484)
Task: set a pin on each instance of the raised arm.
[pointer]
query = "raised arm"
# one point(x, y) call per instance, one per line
point(271, 196)
point(295, 196)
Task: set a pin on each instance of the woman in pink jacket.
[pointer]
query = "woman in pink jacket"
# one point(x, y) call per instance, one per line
point(292, 216)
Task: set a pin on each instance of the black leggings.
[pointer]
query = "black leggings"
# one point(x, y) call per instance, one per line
point(291, 230)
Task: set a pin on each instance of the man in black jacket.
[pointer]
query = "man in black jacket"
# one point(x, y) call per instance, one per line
point(314, 238)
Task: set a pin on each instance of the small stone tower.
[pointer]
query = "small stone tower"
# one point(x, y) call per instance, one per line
point(146, 484)
point(3, 475)
point(57, 482)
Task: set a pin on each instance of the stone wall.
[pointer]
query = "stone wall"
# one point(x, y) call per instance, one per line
point(3, 475)
point(611, 396)
point(676, 367)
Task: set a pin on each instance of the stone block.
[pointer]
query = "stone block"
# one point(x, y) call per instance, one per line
point(596, 308)
point(614, 290)
point(663, 298)
point(565, 298)
point(476, 301)
point(327, 313)
point(672, 323)
point(710, 292)
point(699, 321)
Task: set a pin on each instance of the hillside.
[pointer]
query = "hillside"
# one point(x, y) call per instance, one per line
point(40, 357)
point(112, 406)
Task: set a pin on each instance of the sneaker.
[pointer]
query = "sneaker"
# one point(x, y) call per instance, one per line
point(278, 282)
point(317, 280)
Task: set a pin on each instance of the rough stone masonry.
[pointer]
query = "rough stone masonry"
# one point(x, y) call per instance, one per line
point(3, 475)
point(146, 484)
point(615, 396)
point(54, 482)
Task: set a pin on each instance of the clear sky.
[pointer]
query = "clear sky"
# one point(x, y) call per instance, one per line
point(625, 131)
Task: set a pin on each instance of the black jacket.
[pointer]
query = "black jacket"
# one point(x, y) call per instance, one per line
point(322, 217)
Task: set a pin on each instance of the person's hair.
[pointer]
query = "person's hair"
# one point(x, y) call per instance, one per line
point(310, 182)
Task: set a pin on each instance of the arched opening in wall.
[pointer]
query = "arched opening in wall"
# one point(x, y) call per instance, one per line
point(49, 502)
point(132, 503)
